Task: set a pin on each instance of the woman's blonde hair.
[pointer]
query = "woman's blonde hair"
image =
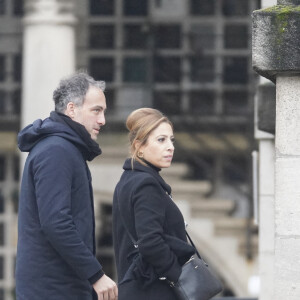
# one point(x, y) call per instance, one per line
point(140, 123)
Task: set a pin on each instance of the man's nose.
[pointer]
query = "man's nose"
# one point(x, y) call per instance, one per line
point(101, 120)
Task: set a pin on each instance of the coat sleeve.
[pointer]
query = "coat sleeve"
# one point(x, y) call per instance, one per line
point(53, 173)
point(149, 212)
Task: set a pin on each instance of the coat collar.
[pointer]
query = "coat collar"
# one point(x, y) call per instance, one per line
point(150, 169)
point(90, 148)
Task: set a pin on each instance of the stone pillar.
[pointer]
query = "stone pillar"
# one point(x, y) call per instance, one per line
point(276, 56)
point(48, 55)
point(287, 190)
point(264, 133)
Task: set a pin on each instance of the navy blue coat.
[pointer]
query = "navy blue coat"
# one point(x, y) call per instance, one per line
point(56, 243)
point(142, 202)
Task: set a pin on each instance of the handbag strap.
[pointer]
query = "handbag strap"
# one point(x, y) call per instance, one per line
point(189, 238)
point(192, 243)
point(134, 242)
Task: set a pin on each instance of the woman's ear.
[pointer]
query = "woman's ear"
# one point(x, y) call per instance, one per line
point(137, 145)
point(70, 111)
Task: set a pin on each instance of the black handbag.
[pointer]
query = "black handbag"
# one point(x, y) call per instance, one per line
point(196, 281)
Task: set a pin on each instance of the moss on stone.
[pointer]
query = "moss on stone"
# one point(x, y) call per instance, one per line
point(281, 13)
point(282, 9)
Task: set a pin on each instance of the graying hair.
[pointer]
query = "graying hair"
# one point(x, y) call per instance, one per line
point(74, 89)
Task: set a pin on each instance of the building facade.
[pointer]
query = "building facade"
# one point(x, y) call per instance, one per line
point(190, 59)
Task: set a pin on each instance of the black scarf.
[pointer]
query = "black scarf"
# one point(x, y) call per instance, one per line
point(92, 149)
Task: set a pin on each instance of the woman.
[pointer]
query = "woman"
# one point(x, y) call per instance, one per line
point(145, 214)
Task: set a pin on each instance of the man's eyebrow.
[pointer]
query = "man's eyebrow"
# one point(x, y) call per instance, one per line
point(98, 107)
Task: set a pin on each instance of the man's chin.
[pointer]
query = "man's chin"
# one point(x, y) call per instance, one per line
point(94, 137)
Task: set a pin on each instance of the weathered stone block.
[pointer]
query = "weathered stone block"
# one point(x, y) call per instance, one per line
point(266, 106)
point(288, 115)
point(287, 266)
point(287, 203)
point(276, 40)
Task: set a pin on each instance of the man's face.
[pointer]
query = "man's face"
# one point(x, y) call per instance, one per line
point(91, 113)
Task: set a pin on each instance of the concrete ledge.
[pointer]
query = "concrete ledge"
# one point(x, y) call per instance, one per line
point(214, 208)
point(8, 141)
point(276, 41)
point(232, 227)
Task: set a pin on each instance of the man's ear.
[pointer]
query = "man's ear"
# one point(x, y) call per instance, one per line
point(70, 110)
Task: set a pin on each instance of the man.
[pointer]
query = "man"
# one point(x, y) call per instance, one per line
point(56, 241)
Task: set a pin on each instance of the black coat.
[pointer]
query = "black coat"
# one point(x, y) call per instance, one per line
point(56, 242)
point(142, 202)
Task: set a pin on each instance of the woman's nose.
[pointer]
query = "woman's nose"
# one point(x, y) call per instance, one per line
point(171, 145)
